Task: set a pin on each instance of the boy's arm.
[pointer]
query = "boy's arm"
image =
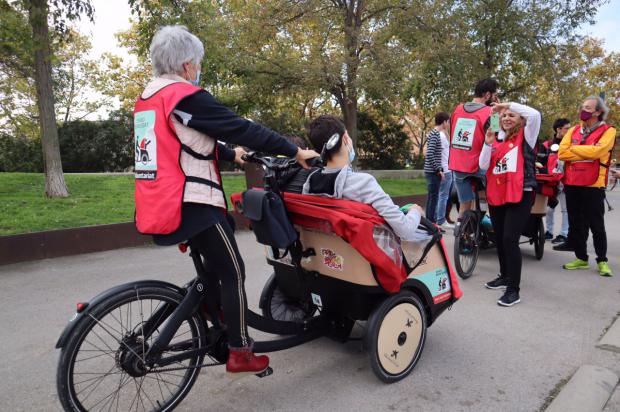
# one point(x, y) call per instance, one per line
point(597, 151)
point(362, 187)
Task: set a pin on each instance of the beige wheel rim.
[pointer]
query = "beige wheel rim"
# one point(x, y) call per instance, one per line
point(399, 338)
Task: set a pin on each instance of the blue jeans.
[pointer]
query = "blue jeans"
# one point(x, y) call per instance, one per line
point(444, 193)
point(463, 184)
point(433, 181)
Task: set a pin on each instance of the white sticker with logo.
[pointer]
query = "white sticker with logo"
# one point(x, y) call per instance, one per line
point(463, 137)
point(508, 163)
point(146, 145)
point(316, 299)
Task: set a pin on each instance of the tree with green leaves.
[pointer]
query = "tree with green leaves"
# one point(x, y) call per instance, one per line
point(40, 59)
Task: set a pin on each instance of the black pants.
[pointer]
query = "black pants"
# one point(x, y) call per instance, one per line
point(509, 220)
point(586, 211)
point(433, 182)
point(226, 272)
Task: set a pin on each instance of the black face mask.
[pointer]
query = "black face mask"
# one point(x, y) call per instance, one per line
point(488, 102)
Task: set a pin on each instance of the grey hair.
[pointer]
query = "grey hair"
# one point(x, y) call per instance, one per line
point(171, 47)
point(600, 106)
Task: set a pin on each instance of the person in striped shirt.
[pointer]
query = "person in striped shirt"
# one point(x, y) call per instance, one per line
point(433, 168)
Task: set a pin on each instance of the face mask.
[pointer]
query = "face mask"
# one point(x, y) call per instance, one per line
point(351, 154)
point(585, 115)
point(196, 82)
point(488, 102)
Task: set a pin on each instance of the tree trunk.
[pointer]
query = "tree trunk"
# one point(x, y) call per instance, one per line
point(55, 185)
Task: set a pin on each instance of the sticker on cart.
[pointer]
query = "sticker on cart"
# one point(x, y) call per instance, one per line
point(316, 299)
point(438, 284)
point(332, 260)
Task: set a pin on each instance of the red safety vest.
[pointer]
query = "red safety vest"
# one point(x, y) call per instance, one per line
point(505, 173)
point(552, 157)
point(467, 137)
point(584, 172)
point(160, 181)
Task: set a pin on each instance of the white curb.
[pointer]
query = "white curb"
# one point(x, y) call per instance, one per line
point(611, 339)
point(587, 391)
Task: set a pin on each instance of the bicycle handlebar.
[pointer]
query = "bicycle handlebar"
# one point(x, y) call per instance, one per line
point(269, 162)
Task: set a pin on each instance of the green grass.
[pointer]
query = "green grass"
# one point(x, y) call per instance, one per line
point(403, 187)
point(100, 199)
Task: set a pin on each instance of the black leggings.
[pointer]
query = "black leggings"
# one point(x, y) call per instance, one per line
point(509, 220)
point(226, 273)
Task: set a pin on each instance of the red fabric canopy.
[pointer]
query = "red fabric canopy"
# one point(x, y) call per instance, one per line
point(354, 222)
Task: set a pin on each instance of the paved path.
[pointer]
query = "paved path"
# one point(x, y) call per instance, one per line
point(478, 356)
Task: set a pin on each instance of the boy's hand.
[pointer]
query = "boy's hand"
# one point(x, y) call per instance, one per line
point(417, 208)
point(303, 155)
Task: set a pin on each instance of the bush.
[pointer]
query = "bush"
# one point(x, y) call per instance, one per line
point(97, 146)
point(20, 154)
point(382, 144)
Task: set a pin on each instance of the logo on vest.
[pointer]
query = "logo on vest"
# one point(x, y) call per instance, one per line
point(463, 137)
point(146, 145)
point(508, 163)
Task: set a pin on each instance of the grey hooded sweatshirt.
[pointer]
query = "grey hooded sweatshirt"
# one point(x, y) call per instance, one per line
point(364, 188)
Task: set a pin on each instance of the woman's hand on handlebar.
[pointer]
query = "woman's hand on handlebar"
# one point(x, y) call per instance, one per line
point(303, 155)
point(239, 153)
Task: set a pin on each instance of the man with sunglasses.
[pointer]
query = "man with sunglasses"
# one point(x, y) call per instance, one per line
point(337, 179)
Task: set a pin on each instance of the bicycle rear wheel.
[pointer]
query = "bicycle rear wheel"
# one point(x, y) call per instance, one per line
point(102, 365)
point(467, 245)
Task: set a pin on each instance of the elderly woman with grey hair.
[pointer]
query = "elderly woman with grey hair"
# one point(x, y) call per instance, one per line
point(586, 150)
point(179, 194)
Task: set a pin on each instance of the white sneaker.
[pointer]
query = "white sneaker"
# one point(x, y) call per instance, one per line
point(456, 228)
point(447, 226)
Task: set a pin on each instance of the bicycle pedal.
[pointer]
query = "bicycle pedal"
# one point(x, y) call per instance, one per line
point(266, 372)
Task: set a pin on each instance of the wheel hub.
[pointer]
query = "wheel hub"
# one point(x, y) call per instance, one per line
point(402, 338)
point(130, 358)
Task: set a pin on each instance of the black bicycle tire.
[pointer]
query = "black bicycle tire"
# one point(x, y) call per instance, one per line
point(269, 290)
point(468, 216)
point(67, 355)
point(539, 243)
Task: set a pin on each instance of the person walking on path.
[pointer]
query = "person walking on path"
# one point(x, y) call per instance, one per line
point(586, 151)
point(446, 183)
point(434, 169)
point(468, 125)
point(549, 159)
point(511, 182)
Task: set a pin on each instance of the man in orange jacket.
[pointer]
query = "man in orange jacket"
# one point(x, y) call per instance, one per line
point(586, 151)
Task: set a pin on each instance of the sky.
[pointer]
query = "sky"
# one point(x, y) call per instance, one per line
point(112, 16)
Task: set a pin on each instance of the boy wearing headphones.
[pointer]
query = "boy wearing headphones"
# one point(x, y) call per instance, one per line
point(337, 179)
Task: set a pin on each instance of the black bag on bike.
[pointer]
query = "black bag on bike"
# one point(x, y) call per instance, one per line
point(270, 222)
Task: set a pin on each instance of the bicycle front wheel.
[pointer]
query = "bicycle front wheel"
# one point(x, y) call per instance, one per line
point(102, 365)
point(467, 245)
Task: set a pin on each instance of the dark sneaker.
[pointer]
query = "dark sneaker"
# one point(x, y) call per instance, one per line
point(559, 239)
point(509, 299)
point(498, 283)
point(548, 235)
point(564, 247)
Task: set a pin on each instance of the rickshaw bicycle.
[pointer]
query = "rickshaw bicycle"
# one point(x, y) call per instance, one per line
point(475, 232)
point(142, 344)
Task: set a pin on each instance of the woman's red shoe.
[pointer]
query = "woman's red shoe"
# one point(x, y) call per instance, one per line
point(243, 360)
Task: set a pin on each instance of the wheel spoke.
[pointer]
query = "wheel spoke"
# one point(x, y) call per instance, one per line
point(112, 338)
